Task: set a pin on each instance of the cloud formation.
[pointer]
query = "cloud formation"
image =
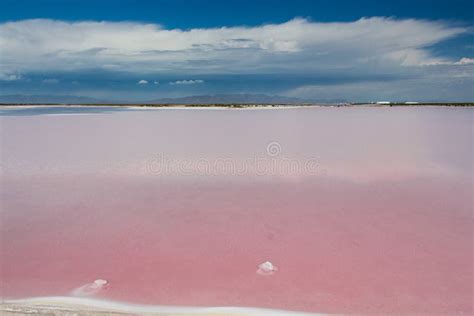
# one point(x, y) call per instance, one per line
point(185, 82)
point(298, 45)
point(9, 77)
point(371, 58)
point(465, 61)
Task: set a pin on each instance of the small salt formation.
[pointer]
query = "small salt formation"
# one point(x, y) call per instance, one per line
point(266, 268)
point(91, 289)
point(100, 283)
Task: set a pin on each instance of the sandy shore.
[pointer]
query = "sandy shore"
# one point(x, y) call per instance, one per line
point(85, 306)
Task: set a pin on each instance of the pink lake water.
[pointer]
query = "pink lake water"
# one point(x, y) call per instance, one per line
point(180, 206)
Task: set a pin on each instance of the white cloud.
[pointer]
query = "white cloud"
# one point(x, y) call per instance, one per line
point(142, 82)
point(298, 45)
point(465, 61)
point(187, 81)
point(10, 77)
point(156, 82)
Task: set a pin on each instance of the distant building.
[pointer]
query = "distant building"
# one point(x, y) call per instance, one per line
point(382, 102)
point(411, 102)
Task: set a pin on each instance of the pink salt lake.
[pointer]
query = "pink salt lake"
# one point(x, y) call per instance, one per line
point(380, 220)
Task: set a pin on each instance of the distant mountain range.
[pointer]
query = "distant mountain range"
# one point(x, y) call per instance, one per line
point(230, 98)
point(197, 99)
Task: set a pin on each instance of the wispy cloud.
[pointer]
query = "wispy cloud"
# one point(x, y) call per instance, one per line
point(143, 82)
point(186, 82)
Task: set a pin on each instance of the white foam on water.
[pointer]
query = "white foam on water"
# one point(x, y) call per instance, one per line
point(88, 304)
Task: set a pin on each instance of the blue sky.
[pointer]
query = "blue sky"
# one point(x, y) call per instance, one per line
point(318, 50)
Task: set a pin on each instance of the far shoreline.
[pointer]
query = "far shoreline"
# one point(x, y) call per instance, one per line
point(233, 105)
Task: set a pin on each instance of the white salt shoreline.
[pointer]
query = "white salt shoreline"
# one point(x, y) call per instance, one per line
point(167, 107)
point(66, 305)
